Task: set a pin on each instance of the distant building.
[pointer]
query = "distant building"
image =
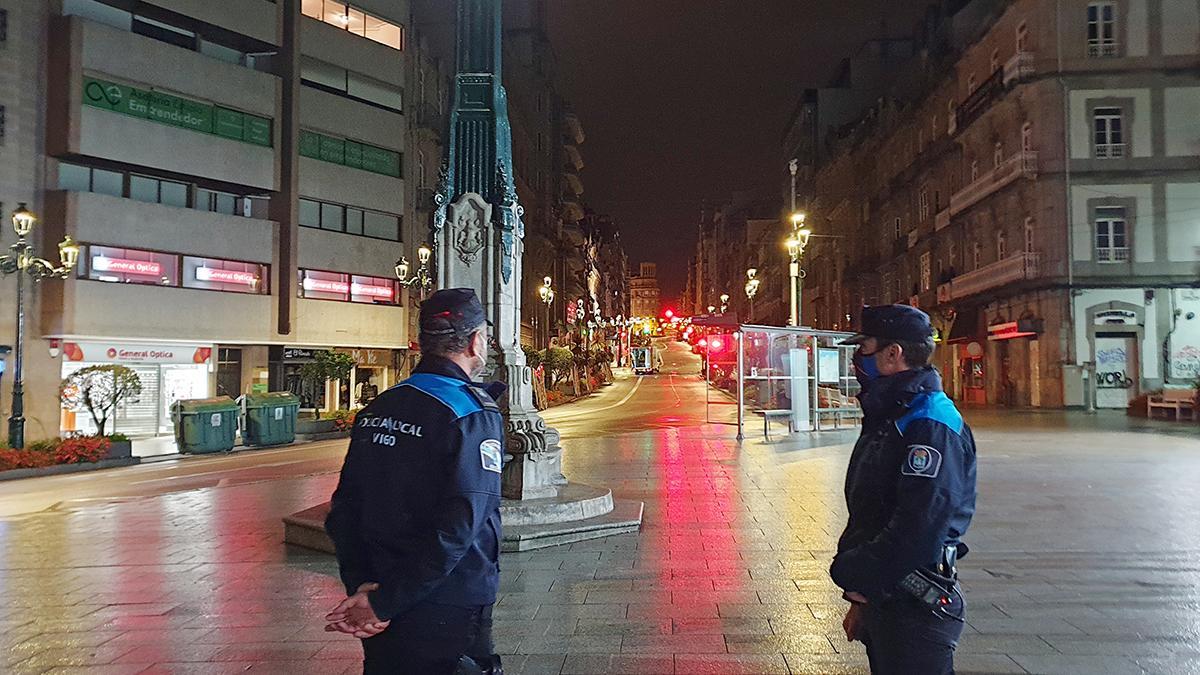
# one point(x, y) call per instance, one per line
point(1033, 187)
point(644, 297)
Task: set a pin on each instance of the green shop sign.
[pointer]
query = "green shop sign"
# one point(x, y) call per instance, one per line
point(349, 153)
point(178, 112)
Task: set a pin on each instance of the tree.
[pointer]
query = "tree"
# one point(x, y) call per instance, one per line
point(533, 358)
point(326, 366)
point(99, 390)
point(558, 362)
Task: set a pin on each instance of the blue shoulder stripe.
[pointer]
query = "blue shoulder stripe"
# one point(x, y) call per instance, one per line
point(450, 392)
point(934, 406)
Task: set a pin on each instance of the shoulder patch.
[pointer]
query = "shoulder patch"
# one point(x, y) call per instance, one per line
point(490, 456)
point(448, 391)
point(484, 399)
point(935, 406)
point(922, 461)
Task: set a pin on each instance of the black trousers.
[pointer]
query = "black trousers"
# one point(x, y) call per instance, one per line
point(904, 637)
point(429, 641)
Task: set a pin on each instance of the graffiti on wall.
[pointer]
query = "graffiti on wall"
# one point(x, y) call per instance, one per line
point(1185, 362)
point(1111, 364)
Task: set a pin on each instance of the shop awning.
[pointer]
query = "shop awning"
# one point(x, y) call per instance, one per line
point(966, 325)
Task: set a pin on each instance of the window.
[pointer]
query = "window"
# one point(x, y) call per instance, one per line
point(217, 202)
point(998, 154)
point(1029, 235)
point(974, 170)
point(319, 285)
point(994, 63)
point(225, 275)
point(1112, 242)
point(953, 254)
point(108, 182)
point(349, 219)
point(976, 250)
point(156, 191)
point(1027, 137)
point(933, 127)
point(1001, 245)
point(970, 83)
point(1022, 37)
point(923, 204)
point(354, 20)
point(898, 232)
point(164, 32)
point(1108, 126)
point(1102, 29)
point(926, 271)
point(86, 179)
point(335, 80)
point(129, 266)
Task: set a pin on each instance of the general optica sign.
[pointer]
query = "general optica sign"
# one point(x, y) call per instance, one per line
point(226, 276)
point(343, 288)
point(112, 352)
point(147, 268)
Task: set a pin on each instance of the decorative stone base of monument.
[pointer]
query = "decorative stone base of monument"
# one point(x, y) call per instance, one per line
point(578, 513)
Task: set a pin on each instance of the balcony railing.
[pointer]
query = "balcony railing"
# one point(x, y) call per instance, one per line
point(1019, 267)
point(1116, 254)
point(1019, 67)
point(1097, 49)
point(942, 219)
point(1020, 164)
point(1110, 151)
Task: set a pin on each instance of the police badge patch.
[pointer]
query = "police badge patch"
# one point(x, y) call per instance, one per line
point(489, 455)
point(922, 461)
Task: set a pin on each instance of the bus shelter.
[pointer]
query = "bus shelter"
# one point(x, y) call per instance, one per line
point(800, 377)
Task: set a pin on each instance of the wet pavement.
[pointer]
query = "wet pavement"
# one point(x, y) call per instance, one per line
point(1086, 555)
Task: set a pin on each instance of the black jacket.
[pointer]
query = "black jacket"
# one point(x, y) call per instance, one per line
point(417, 508)
point(910, 486)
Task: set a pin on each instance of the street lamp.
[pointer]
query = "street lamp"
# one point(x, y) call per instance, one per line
point(724, 302)
point(751, 288)
point(546, 293)
point(21, 262)
point(422, 279)
point(796, 243)
point(712, 308)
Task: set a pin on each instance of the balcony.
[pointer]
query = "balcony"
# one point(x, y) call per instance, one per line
point(1102, 50)
point(1020, 164)
point(573, 129)
point(914, 235)
point(1019, 67)
point(1019, 267)
point(942, 220)
point(1110, 151)
point(1114, 254)
point(574, 159)
point(572, 184)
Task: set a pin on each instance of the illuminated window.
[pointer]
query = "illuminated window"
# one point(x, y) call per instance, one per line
point(355, 20)
point(129, 266)
point(224, 275)
point(320, 285)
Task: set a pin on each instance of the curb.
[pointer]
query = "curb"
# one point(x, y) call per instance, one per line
point(59, 469)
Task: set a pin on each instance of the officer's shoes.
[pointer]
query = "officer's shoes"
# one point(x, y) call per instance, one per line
point(489, 666)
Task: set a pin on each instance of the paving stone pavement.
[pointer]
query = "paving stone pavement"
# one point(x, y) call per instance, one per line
point(1086, 559)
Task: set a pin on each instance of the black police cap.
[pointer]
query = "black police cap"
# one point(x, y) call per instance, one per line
point(892, 323)
point(452, 311)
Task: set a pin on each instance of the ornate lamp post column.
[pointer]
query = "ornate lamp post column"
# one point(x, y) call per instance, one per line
point(22, 262)
point(422, 279)
point(546, 293)
point(796, 243)
point(751, 289)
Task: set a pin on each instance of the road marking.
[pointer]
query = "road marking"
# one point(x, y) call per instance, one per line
point(637, 383)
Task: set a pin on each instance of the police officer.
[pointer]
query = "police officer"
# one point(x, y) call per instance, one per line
point(415, 519)
point(910, 491)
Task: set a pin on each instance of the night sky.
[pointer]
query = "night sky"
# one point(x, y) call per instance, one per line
point(683, 100)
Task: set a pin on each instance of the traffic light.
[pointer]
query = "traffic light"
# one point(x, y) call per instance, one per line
point(669, 313)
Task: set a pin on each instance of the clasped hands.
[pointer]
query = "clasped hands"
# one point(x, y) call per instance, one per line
point(354, 616)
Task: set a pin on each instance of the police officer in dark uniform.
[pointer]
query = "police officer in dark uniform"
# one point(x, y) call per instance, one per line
point(415, 518)
point(910, 491)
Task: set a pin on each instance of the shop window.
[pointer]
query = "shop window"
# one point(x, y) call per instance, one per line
point(1112, 235)
point(225, 275)
point(129, 266)
point(319, 285)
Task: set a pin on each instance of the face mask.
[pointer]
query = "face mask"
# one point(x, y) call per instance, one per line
point(478, 363)
point(865, 368)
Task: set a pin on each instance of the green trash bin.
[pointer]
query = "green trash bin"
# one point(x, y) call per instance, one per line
point(204, 425)
point(270, 418)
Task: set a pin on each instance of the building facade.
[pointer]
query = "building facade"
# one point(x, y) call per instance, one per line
point(1036, 193)
point(237, 175)
point(644, 300)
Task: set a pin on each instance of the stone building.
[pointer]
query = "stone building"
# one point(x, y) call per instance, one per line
point(1036, 192)
point(644, 300)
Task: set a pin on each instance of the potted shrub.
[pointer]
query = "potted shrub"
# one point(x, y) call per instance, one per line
point(119, 447)
point(99, 390)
